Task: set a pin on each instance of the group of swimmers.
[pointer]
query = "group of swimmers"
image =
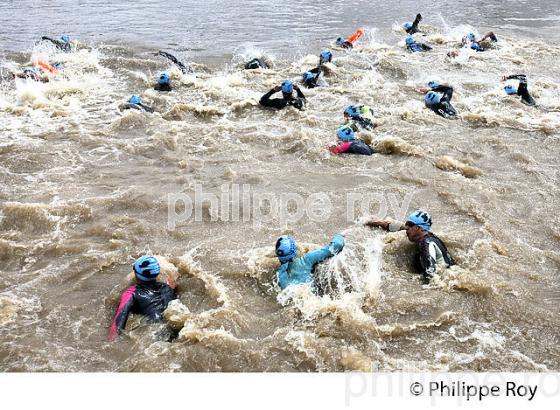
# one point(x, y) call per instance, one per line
point(150, 297)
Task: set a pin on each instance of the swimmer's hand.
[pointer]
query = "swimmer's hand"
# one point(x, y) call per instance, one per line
point(171, 282)
point(345, 232)
point(277, 88)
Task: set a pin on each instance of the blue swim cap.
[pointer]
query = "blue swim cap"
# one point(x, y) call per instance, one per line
point(65, 38)
point(146, 268)
point(471, 36)
point(287, 87)
point(340, 40)
point(307, 76)
point(135, 100)
point(433, 84)
point(286, 248)
point(163, 79)
point(409, 40)
point(407, 26)
point(432, 98)
point(510, 89)
point(352, 110)
point(421, 219)
point(346, 133)
point(326, 55)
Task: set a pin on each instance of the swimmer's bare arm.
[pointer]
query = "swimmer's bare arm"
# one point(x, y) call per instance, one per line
point(386, 225)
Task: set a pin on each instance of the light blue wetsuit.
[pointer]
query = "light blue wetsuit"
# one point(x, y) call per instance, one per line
point(300, 270)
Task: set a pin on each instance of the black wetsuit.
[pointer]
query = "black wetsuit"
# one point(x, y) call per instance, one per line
point(414, 28)
point(314, 81)
point(522, 88)
point(163, 87)
point(61, 45)
point(139, 107)
point(418, 47)
point(364, 123)
point(286, 100)
point(346, 44)
point(147, 298)
point(431, 251)
point(256, 63)
point(444, 107)
point(356, 146)
point(184, 69)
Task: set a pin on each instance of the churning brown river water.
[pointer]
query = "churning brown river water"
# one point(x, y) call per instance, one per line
point(85, 189)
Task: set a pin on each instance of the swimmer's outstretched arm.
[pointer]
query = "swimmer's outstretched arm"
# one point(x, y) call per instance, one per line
point(298, 91)
point(184, 69)
point(388, 226)
point(490, 35)
point(416, 21)
point(520, 77)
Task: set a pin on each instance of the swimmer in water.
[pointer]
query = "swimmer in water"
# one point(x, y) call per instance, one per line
point(438, 99)
point(164, 83)
point(287, 88)
point(414, 46)
point(431, 251)
point(256, 63)
point(520, 90)
point(469, 41)
point(350, 144)
point(314, 77)
point(135, 103)
point(296, 270)
point(147, 297)
point(359, 116)
point(350, 41)
point(63, 44)
point(412, 28)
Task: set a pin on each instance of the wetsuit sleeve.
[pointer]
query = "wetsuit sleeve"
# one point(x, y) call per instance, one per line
point(272, 102)
point(315, 257)
point(168, 294)
point(426, 47)
point(314, 70)
point(428, 264)
point(300, 94)
point(125, 307)
point(520, 77)
point(282, 276)
point(318, 74)
point(146, 108)
point(59, 44)
point(174, 60)
point(414, 28)
point(446, 90)
point(339, 149)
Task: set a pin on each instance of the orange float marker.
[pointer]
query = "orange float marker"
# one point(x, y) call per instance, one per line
point(352, 39)
point(46, 66)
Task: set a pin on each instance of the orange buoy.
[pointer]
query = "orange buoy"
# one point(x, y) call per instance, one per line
point(352, 39)
point(46, 66)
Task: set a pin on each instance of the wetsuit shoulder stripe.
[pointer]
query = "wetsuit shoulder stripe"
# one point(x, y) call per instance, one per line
point(125, 298)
